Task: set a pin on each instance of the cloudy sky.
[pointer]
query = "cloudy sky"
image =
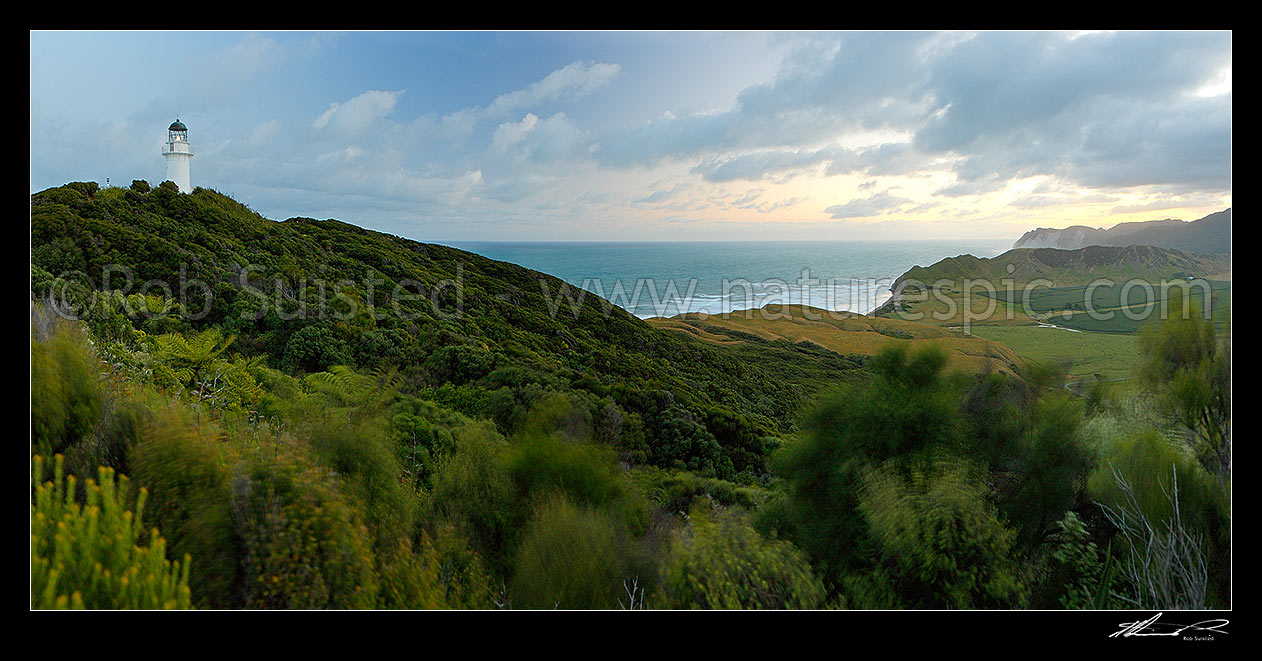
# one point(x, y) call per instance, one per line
point(654, 136)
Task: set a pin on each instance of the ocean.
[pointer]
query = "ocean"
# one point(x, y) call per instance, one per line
point(660, 279)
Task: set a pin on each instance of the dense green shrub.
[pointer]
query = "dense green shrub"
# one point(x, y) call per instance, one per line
point(187, 474)
point(120, 430)
point(304, 545)
point(314, 349)
point(459, 364)
point(422, 434)
point(1052, 469)
point(940, 541)
point(1079, 575)
point(66, 394)
point(905, 417)
point(463, 574)
point(1146, 460)
point(720, 561)
point(88, 188)
point(996, 410)
point(584, 472)
point(565, 415)
point(1189, 368)
point(1150, 465)
point(676, 492)
point(570, 557)
point(98, 554)
point(474, 493)
point(360, 452)
point(742, 441)
point(446, 574)
point(553, 456)
point(684, 442)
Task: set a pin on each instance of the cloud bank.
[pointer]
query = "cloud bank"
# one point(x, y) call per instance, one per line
point(848, 126)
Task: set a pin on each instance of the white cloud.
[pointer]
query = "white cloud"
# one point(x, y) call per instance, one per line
point(757, 165)
point(573, 81)
point(660, 195)
point(980, 187)
point(1164, 202)
point(511, 133)
point(459, 126)
point(1098, 110)
point(876, 205)
point(533, 146)
point(1219, 85)
point(351, 118)
point(353, 147)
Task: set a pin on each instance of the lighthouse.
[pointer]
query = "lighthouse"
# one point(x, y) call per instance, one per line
point(178, 153)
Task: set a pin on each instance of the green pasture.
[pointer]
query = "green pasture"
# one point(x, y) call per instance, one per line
point(1116, 308)
point(1111, 355)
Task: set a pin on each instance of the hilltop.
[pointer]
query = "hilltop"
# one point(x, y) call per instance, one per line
point(1211, 234)
point(1057, 306)
point(1072, 267)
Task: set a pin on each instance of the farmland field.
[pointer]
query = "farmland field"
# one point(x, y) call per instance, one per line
point(1117, 308)
point(1111, 355)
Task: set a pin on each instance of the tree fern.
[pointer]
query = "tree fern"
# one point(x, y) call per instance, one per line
point(343, 386)
point(191, 357)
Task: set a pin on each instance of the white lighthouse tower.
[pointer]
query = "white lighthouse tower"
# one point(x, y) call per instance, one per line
point(178, 153)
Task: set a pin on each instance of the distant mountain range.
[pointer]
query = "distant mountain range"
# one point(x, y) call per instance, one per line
point(1209, 235)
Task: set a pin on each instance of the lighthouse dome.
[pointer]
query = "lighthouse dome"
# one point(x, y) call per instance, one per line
point(177, 125)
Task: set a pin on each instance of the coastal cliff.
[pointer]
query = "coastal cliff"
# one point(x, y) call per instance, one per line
point(1208, 235)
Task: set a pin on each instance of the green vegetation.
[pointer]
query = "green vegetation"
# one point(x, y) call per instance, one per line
point(571, 556)
point(1111, 313)
point(904, 477)
point(1066, 268)
point(1189, 367)
point(1083, 355)
point(923, 527)
point(720, 562)
point(844, 333)
point(507, 457)
point(484, 338)
point(1087, 577)
point(68, 399)
point(89, 555)
point(1109, 295)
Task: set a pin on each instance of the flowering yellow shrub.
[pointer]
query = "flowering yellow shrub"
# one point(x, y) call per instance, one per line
point(90, 555)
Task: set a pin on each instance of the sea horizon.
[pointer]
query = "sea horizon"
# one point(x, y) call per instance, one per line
point(453, 243)
point(667, 278)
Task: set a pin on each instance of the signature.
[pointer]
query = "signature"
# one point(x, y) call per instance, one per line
point(1151, 627)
